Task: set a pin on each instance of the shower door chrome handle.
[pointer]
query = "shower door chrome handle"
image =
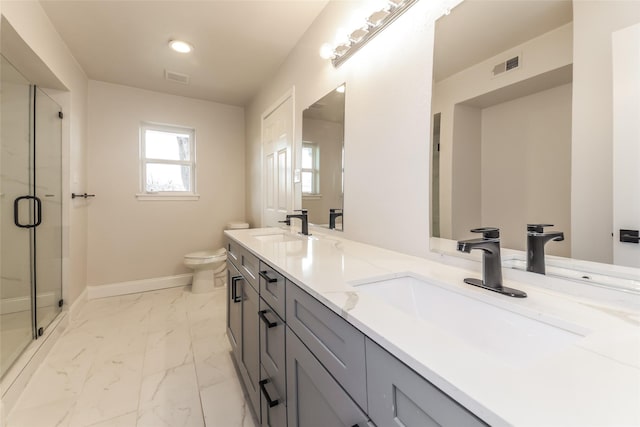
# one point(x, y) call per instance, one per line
point(16, 211)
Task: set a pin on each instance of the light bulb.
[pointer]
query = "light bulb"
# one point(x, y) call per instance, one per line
point(326, 51)
point(180, 46)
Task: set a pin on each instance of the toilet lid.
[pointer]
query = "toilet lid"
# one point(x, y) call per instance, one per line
point(237, 225)
point(207, 255)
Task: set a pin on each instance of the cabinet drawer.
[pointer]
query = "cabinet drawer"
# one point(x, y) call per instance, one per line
point(272, 346)
point(336, 343)
point(314, 398)
point(246, 262)
point(249, 266)
point(233, 252)
point(272, 288)
point(398, 396)
point(274, 409)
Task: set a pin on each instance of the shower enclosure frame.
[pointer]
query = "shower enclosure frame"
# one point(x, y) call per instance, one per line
point(36, 217)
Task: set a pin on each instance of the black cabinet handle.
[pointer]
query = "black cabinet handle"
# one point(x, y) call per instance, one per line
point(265, 276)
point(269, 323)
point(234, 289)
point(263, 386)
point(16, 210)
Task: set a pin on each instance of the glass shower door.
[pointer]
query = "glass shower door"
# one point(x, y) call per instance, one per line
point(16, 315)
point(48, 190)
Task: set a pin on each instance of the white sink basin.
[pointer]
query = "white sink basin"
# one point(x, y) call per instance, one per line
point(512, 337)
point(281, 236)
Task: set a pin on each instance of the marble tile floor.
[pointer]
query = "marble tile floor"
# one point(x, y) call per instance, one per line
point(16, 333)
point(152, 359)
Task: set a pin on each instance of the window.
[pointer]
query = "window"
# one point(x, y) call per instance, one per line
point(310, 168)
point(167, 161)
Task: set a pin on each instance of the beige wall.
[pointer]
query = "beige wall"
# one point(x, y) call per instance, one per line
point(131, 239)
point(526, 173)
point(592, 146)
point(466, 173)
point(387, 123)
point(31, 23)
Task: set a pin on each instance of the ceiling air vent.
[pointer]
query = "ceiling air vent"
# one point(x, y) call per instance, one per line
point(508, 65)
point(172, 76)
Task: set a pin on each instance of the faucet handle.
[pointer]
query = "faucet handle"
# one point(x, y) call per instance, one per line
point(538, 228)
point(488, 232)
point(302, 211)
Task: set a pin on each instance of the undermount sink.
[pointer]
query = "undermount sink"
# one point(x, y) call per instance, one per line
point(514, 338)
point(279, 236)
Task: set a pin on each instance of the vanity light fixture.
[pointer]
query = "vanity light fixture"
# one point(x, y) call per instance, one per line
point(180, 46)
point(377, 21)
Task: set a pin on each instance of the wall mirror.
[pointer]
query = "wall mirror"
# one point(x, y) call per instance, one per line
point(322, 167)
point(505, 136)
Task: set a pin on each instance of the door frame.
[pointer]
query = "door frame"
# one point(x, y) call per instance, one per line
point(290, 93)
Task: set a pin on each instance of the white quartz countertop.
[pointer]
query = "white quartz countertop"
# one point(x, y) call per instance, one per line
point(592, 380)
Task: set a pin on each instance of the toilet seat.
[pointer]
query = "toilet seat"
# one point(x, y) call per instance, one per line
point(206, 257)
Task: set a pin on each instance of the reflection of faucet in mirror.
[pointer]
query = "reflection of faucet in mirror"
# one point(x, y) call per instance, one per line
point(536, 239)
point(489, 244)
point(303, 217)
point(333, 214)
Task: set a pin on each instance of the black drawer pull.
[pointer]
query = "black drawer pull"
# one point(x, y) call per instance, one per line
point(265, 276)
point(263, 386)
point(234, 288)
point(269, 323)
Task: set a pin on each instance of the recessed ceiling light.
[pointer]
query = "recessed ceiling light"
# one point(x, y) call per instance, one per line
point(180, 46)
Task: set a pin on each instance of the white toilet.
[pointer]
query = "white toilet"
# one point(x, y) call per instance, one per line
point(210, 267)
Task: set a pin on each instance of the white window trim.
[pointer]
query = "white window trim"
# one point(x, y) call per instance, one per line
point(315, 170)
point(143, 161)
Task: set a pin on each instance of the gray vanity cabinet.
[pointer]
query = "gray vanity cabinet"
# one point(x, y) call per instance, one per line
point(314, 398)
point(335, 342)
point(243, 324)
point(234, 309)
point(273, 384)
point(303, 365)
point(398, 396)
point(250, 359)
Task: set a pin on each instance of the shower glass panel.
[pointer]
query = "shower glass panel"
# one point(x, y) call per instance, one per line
point(48, 189)
point(30, 213)
point(16, 314)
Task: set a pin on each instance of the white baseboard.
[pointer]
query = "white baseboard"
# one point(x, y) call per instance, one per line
point(136, 286)
point(77, 304)
point(15, 305)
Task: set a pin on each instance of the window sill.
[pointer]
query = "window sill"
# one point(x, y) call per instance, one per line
point(311, 196)
point(179, 197)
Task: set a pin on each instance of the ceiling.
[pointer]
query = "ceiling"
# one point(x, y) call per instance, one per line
point(238, 44)
point(479, 29)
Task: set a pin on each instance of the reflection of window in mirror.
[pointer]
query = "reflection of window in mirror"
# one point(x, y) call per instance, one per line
point(310, 168)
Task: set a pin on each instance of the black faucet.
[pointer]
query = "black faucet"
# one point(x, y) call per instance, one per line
point(303, 217)
point(489, 244)
point(333, 214)
point(536, 239)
